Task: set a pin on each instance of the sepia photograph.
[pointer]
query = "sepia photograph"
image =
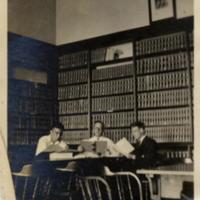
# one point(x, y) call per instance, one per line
point(99, 100)
point(162, 9)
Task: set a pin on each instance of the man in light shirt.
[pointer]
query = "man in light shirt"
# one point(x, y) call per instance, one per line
point(52, 142)
point(98, 131)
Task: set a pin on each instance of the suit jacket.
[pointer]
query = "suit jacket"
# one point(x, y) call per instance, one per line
point(146, 153)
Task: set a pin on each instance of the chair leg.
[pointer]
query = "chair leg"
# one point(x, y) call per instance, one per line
point(25, 187)
point(118, 188)
point(35, 188)
point(82, 189)
point(129, 187)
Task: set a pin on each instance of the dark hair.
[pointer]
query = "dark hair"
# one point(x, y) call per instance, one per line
point(58, 125)
point(138, 124)
point(100, 122)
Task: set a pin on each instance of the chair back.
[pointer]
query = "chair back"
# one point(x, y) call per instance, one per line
point(94, 188)
point(29, 186)
point(25, 171)
point(125, 186)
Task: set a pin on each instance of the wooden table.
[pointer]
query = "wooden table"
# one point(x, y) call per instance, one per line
point(169, 179)
point(46, 166)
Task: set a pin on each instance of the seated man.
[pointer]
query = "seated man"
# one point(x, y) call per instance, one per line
point(98, 132)
point(145, 152)
point(94, 166)
point(52, 142)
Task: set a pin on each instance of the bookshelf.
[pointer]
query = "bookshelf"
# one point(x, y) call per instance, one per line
point(31, 111)
point(143, 74)
point(73, 96)
point(164, 86)
point(113, 93)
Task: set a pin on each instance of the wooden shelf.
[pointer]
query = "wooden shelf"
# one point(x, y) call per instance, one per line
point(162, 53)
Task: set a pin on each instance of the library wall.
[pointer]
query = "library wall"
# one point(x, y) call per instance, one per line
point(83, 19)
point(31, 104)
point(149, 79)
point(32, 18)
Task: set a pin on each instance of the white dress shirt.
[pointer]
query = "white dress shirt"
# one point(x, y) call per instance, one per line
point(45, 141)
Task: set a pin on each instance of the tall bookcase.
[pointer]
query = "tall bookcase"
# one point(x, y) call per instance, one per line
point(31, 96)
point(113, 89)
point(144, 74)
point(31, 111)
point(74, 96)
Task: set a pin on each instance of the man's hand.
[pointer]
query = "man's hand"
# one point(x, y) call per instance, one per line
point(80, 148)
point(131, 156)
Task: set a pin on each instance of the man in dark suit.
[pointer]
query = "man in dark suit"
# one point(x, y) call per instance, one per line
point(145, 147)
point(144, 155)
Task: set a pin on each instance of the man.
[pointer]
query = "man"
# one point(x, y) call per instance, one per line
point(93, 167)
point(98, 132)
point(52, 142)
point(145, 147)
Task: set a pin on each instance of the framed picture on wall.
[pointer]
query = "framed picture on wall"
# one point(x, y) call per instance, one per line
point(161, 9)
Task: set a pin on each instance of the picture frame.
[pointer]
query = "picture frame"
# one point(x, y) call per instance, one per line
point(161, 10)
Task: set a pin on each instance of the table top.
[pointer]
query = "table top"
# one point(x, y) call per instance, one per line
point(178, 170)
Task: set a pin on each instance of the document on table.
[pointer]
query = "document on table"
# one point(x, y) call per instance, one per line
point(124, 147)
point(60, 156)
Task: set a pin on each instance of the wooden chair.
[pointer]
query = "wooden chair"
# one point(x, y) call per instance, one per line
point(94, 188)
point(69, 178)
point(29, 186)
point(124, 185)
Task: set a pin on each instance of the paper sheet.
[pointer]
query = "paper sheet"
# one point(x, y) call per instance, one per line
point(124, 146)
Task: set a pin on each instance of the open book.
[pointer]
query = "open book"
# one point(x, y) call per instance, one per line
point(124, 147)
point(97, 146)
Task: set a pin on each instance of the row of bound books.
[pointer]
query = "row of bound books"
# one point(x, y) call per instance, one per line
point(178, 154)
point(73, 59)
point(170, 134)
point(121, 119)
point(30, 122)
point(162, 63)
point(76, 106)
point(112, 71)
point(30, 106)
point(74, 122)
point(163, 81)
point(191, 39)
point(29, 90)
point(117, 134)
point(163, 98)
point(75, 76)
point(161, 43)
point(74, 137)
point(75, 91)
point(192, 76)
point(113, 103)
point(112, 87)
point(176, 116)
point(192, 58)
point(98, 55)
point(27, 136)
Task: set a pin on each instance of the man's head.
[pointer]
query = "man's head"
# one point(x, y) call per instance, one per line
point(56, 132)
point(98, 128)
point(137, 130)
